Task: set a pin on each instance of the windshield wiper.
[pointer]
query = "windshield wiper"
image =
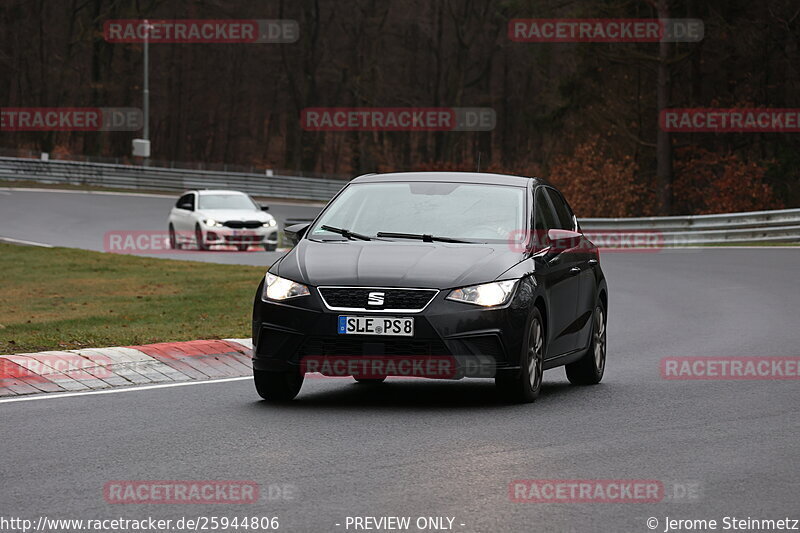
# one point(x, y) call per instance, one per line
point(345, 233)
point(423, 236)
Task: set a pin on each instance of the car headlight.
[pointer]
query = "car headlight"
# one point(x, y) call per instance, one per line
point(487, 294)
point(212, 223)
point(277, 288)
point(269, 223)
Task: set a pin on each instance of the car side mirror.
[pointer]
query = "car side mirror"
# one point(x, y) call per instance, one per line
point(265, 208)
point(295, 232)
point(187, 206)
point(562, 239)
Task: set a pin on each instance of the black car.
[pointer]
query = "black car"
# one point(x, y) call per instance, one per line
point(485, 274)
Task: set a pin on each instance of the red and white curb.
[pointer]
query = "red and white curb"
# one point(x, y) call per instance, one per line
point(103, 368)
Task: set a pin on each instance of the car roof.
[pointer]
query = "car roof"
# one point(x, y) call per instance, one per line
point(459, 177)
point(216, 191)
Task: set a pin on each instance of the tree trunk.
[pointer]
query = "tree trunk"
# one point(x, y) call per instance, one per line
point(663, 141)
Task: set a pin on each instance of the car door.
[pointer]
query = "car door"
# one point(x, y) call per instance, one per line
point(181, 216)
point(561, 284)
point(579, 258)
point(590, 263)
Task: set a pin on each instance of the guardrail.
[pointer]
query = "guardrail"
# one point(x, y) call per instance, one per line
point(735, 228)
point(751, 227)
point(166, 179)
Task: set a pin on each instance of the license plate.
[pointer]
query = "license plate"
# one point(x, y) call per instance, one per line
point(376, 325)
point(241, 233)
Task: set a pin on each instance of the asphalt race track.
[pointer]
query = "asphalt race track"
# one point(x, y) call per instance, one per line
point(81, 220)
point(427, 448)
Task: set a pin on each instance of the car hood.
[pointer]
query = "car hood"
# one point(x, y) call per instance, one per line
point(234, 214)
point(395, 264)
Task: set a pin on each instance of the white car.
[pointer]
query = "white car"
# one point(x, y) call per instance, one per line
point(209, 217)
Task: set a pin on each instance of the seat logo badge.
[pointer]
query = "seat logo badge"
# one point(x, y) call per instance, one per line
point(375, 298)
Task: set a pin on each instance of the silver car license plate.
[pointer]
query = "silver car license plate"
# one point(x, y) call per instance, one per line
point(376, 325)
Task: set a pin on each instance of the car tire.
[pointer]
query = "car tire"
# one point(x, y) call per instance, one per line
point(278, 386)
point(370, 380)
point(173, 240)
point(198, 237)
point(524, 385)
point(588, 370)
point(270, 247)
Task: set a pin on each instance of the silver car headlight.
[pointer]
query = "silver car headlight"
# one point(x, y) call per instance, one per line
point(269, 223)
point(486, 294)
point(277, 288)
point(210, 222)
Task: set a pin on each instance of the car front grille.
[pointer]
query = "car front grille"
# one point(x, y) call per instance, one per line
point(393, 299)
point(333, 346)
point(240, 224)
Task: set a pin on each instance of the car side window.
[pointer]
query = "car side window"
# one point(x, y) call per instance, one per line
point(564, 218)
point(544, 218)
point(573, 219)
point(186, 199)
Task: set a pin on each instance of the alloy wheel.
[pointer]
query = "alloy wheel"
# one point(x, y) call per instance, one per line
point(535, 355)
point(599, 339)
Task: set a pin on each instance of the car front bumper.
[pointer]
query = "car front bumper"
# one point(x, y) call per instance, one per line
point(480, 341)
point(241, 236)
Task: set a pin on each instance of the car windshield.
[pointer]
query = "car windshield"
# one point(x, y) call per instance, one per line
point(464, 211)
point(225, 201)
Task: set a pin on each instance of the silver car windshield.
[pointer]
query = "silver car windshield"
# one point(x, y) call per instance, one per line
point(225, 201)
point(465, 211)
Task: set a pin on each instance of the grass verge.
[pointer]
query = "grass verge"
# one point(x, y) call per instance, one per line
point(60, 298)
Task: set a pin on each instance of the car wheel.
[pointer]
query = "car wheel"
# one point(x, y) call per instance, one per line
point(270, 246)
point(524, 385)
point(588, 370)
point(173, 240)
point(198, 237)
point(370, 380)
point(278, 386)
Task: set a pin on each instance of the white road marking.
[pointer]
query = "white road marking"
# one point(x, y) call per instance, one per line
point(29, 243)
point(175, 194)
point(57, 395)
point(247, 343)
